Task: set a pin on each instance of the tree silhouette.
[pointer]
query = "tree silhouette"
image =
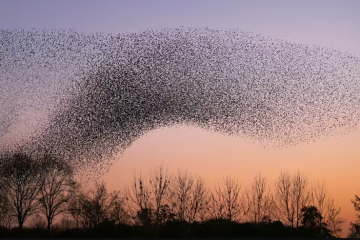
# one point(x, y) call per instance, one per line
point(20, 180)
point(56, 188)
point(226, 202)
point(291, 194)
point(312, 220)
point(118, 212)
point(181, 189)
point(199, 200)
point(163, 205)
point(188, 198)
point(95, 205)
point(333, 220)
point(327, 208)
point(75, 208)
point(355, 226)
point(138, 200)
point(301, 194)
point(91, 208)
point(259, 202)
point(285, 199)
point(160, 186)
point(311, 217)
point(145, 216)
point(6, 217)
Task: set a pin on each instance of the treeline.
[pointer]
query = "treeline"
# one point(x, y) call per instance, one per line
point(36, 189)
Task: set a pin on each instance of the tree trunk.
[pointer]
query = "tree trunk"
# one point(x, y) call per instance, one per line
point(20, 224)
point(48, 224)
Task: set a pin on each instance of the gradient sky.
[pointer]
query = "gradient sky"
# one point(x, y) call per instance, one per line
point(327, 23)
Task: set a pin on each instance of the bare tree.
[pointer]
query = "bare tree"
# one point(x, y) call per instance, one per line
point(198, 200)
point(355, 226)
point(301, 194)
point(138, 200)
point(291, 194)
point(6, 217)
point(20, 178)
point(181, 188)
point(188, 198)
point(56, 188)
point(319, 196)
point(117, 211)
point(160, 187)
point(75, 208)
point(215, 206)
point(225, 201)
point(259, 202)
point(327, 208)
point(284, 197)
point(91, 208)
point(354, 231)
point(333, 220)
point(95, 204)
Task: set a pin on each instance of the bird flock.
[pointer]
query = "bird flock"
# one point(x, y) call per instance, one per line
point(101, 92)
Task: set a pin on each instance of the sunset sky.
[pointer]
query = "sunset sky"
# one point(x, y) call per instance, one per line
point(333, 24)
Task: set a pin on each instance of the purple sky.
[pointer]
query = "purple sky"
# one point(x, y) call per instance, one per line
point(326, 22)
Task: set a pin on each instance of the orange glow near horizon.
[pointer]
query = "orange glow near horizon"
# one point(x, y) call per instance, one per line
point(214, 155)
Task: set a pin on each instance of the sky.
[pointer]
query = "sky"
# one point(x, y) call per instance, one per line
point(333, 24)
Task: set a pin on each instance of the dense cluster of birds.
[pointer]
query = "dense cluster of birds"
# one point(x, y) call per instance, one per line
point(104, 91)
